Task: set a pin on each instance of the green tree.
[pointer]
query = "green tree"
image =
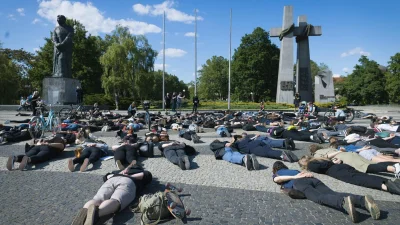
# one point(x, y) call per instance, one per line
point(393, 78)
point(255, 67)
point(366, 84)
point(9, 79)
point(214, 79)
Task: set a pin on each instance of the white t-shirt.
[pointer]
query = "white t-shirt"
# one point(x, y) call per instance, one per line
point(339, 113)
point(388, 127)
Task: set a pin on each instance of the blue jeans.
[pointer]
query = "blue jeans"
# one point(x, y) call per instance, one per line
point(232, 156)
point(272, 142)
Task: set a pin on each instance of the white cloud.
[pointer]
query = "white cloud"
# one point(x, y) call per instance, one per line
point(11, 17)
point(346, 70)
point(355, 51)
point(173, 52)
point(36, 20)
point(21, 11)
point(171, 14)
point(199, 68)
point(91, 17)
point(36, 49)
point(336, 75)
point(190, 34)
point(159, 66)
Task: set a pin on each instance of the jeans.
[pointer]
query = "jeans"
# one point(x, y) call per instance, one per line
point(233, 156)
point(126, 154)
point(194, 108)
point(271, 142)
point(39, 154)
point(318, 192)
point(93, 153)
point(174, 155)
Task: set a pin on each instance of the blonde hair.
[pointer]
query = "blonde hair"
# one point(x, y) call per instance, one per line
point(78, 152)
point(309, 159)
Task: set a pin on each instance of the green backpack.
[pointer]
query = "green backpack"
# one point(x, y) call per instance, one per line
point(153, 208)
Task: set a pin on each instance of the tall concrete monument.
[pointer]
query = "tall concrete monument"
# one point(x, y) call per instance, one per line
point(60, 88)
point(286, 87)
point(324, 90)
point(284, 90)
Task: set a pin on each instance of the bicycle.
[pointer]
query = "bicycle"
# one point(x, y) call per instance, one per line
point(72, 112)
point(38, 125)
point(147, 117)
point(349, 113)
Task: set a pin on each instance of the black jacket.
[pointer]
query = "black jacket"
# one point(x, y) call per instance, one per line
point(218, 148)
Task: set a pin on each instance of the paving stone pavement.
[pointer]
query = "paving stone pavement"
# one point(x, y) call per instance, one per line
point(217, 192)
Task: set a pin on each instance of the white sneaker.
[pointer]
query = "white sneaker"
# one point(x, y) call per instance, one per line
point(397, 172)
point(1, 140)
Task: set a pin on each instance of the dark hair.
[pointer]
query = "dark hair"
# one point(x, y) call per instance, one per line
point(332, 139)
point(278, 165)
point(334, 145)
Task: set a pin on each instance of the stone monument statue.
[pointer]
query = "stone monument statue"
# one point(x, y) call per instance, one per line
point(324, 90)
point(58, 89)
point(62, 40)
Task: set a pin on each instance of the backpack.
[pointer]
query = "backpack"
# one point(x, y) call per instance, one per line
point(153, 208)
point(146, 149)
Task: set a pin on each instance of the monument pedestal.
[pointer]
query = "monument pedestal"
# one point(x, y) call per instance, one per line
point(60, 90)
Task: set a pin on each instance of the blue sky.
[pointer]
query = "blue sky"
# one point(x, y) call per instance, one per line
point(350, 28)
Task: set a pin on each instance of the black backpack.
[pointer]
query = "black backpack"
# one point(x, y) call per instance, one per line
point(146, 149)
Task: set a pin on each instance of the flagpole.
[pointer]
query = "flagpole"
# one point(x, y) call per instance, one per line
point(195, 52)
point(230, 57)
point(163, 73)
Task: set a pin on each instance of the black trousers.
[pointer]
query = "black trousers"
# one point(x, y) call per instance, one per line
point(318, 192)
point(17, 136)
point(126, 154)
point(297, 135)
point(33, 107)
point(194, 107)
point(379, 142)
point(379, 167)
point(350, 175)
point(93, 153)
point(39, 154)
point(174, 155)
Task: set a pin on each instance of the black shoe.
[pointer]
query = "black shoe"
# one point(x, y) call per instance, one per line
point(292, 144)
point(348, 206)
point(181, 164)
point(247, 162)
point(285, 157)
point(254, 162)
point(289, 144)
point(393, 187)
point(321, 138)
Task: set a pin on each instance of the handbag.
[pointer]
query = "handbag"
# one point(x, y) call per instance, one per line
point(146, 149)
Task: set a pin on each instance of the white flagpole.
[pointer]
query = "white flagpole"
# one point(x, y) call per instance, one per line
point(163, 73)
point(195, 52)
point(230, 57)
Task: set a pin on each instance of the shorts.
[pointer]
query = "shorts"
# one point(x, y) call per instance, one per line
point(122, 189)
point(369, 154)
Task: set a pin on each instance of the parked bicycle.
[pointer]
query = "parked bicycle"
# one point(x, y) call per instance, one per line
point(74, 113)
point(38, 125)
point(349, 113)
point(147, 117)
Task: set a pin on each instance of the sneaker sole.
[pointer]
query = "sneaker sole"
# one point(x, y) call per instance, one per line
point(186, 162)
point(352, 211)
point(80, 217)
point(372, 207)
point(10, 163)
point(90, 215)
point(119, 165)
point(23, 163)
point(84, 165)
point(70, 165)
point(256, 165)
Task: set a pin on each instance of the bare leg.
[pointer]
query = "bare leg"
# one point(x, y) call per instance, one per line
point(92, 202)
point(108, 207)
point(380, 159)
point(391, 169)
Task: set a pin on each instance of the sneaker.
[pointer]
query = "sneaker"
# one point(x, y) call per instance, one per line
point(372, 207)
point(254, 162)
point(348, 206)
point(316, 139)
point(119, 165)
point(10, 163)
point(80, 217)
point(90, 216)
point(285, 157)
point(23, 163)
point(247, 162)
point(181, 164)
point(71, 166)
point(1, 140)
point(186, 161)
point(84, 165)
point(397, 172)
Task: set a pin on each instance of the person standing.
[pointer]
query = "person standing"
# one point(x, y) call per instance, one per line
point(174, 98)
point(179, 100)
point(296, 101)
point(167, 102)
point(33, 101)
point(116, 100)
point(79, 95)
point(195, 104)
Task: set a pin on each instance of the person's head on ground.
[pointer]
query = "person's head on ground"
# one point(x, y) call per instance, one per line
point(334, 145)
point(313, 148)
point(333, 139)
point(278, 165)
